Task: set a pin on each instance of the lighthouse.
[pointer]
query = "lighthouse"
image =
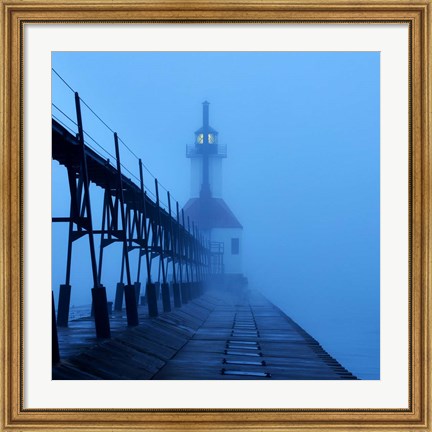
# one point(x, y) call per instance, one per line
point(207, 208)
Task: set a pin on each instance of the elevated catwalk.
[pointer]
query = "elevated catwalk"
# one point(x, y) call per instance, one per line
point(215, 337)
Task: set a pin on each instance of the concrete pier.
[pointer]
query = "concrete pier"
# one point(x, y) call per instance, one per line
point(213, 337)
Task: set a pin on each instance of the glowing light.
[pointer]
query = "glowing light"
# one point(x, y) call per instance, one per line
point(211, 138)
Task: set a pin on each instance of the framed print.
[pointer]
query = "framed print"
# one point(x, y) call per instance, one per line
point(215, 215)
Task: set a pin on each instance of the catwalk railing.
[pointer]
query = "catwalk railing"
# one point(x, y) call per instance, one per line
point(129, 217)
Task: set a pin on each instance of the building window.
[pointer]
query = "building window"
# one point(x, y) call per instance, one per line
point(235, 246)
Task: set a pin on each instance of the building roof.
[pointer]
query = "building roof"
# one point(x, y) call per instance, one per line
point(211, 213)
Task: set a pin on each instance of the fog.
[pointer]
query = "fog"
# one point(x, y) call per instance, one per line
point(302, 173)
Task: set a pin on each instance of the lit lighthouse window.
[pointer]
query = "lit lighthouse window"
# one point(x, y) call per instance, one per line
point(200, 138)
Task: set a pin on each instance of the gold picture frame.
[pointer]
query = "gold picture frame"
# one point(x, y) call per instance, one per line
point(15, 14)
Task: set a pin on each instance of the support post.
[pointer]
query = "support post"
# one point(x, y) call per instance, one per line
point(152, 300)
point(185, 292)
point(166, 303)
point(101, 247)
point(176, 294)
point(100, 310)
point(190, 254)
point(131, 305)
point(150, 293)
point(177, 287)
point(102, 323)
point(185, 250)
point(195, 252)
point(185, 246)
point(55, 351)
point(63, 305)
point(65, 289)
point(130, 298)
point(137, 286)
point(118, 304)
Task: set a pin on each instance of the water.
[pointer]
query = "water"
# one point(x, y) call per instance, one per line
point(350, 335)
point(77, 312)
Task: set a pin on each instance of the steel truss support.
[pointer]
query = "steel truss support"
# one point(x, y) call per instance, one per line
point(129, 289)
point(161, 239)
point(179, 253)
point(174, 251)
point(130, 217)
point(81, 216)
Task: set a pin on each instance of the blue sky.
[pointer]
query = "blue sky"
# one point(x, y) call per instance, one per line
point(302, 173)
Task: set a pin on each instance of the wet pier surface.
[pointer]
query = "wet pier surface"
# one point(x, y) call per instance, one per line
point(213, 337)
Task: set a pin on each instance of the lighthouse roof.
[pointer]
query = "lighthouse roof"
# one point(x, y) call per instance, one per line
point(211, 213)
point(209, 129)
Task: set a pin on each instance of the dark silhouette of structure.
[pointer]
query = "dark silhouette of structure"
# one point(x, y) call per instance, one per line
point(131, 218)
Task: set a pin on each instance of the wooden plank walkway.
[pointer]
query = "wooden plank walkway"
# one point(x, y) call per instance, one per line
point(211, 338)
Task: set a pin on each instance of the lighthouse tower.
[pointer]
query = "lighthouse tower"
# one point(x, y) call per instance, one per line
point(206, 206)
